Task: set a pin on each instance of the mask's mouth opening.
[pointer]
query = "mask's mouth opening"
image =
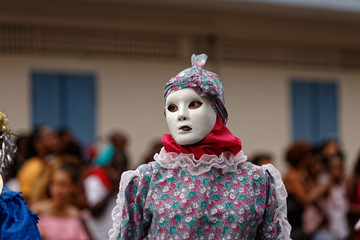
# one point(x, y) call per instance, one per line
point(185, 128)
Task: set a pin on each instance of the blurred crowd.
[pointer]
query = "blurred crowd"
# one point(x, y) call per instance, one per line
point(323, 202)
point(73, 188)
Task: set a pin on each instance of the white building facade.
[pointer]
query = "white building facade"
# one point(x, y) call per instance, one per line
point(266, 56)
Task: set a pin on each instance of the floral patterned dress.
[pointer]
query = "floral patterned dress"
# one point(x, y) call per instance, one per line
point(174, 203)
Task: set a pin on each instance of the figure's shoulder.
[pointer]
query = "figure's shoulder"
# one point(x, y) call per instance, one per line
point(144, 171)
point(150, 169)
point(145, 174)
point(147, 167)
point(258, 174)
point(251, 169)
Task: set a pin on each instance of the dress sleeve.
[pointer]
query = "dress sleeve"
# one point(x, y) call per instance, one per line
point(275, 221)
point(128, 214)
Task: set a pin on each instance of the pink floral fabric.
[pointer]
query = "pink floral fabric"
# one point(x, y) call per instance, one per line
point(173, 204)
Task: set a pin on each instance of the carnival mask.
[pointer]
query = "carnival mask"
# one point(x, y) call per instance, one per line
point(190, 118)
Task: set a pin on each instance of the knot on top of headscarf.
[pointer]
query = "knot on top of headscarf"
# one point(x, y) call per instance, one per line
point(198, 60)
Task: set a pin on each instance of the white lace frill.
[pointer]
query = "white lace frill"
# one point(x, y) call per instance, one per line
point(227, 162)
point(281, 195)
point(126, 177)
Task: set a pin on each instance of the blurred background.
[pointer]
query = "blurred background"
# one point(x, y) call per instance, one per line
point(290, 69)
point(91, 73)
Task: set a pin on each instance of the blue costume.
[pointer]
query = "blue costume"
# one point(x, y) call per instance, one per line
point(16, 220)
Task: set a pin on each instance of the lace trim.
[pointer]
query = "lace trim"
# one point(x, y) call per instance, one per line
point(281, 195)
point(227, 162)
point(116, 214)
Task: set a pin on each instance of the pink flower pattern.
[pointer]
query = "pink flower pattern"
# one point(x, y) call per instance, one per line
point(173, 204)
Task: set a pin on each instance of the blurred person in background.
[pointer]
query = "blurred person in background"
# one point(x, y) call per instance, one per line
point(313, 217)
point(16, 220)
point(261, 159)
point(101, 185)
point(41, 189)
point(69, 145)
point(59, 219)
point(333, 206)
point(300, 194)
point(353, 193)
point(117, 143)
point(20, 156)
point(155, 147)
point(335, 202)
point(329, 148)
point(43, 146)
point(71, 151)
point(21, 153)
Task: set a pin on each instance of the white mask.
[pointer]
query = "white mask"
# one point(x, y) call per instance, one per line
point(190, 118)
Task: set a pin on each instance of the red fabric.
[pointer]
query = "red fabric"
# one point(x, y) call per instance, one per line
point(219, 140)
point(101, 174)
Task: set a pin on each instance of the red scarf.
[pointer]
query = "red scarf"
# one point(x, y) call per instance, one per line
point(219, 140)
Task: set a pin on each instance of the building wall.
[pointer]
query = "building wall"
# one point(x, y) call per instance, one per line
point(260, 98)
point(282, 43)
point(130, 99)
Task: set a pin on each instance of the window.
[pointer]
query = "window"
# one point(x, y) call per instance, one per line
point(65, 100)
point(314, 110)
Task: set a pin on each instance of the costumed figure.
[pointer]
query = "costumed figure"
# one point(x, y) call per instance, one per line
point(16, 220)
point(200, 185)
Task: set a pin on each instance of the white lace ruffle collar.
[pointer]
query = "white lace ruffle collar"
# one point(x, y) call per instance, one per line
point(227, 162)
